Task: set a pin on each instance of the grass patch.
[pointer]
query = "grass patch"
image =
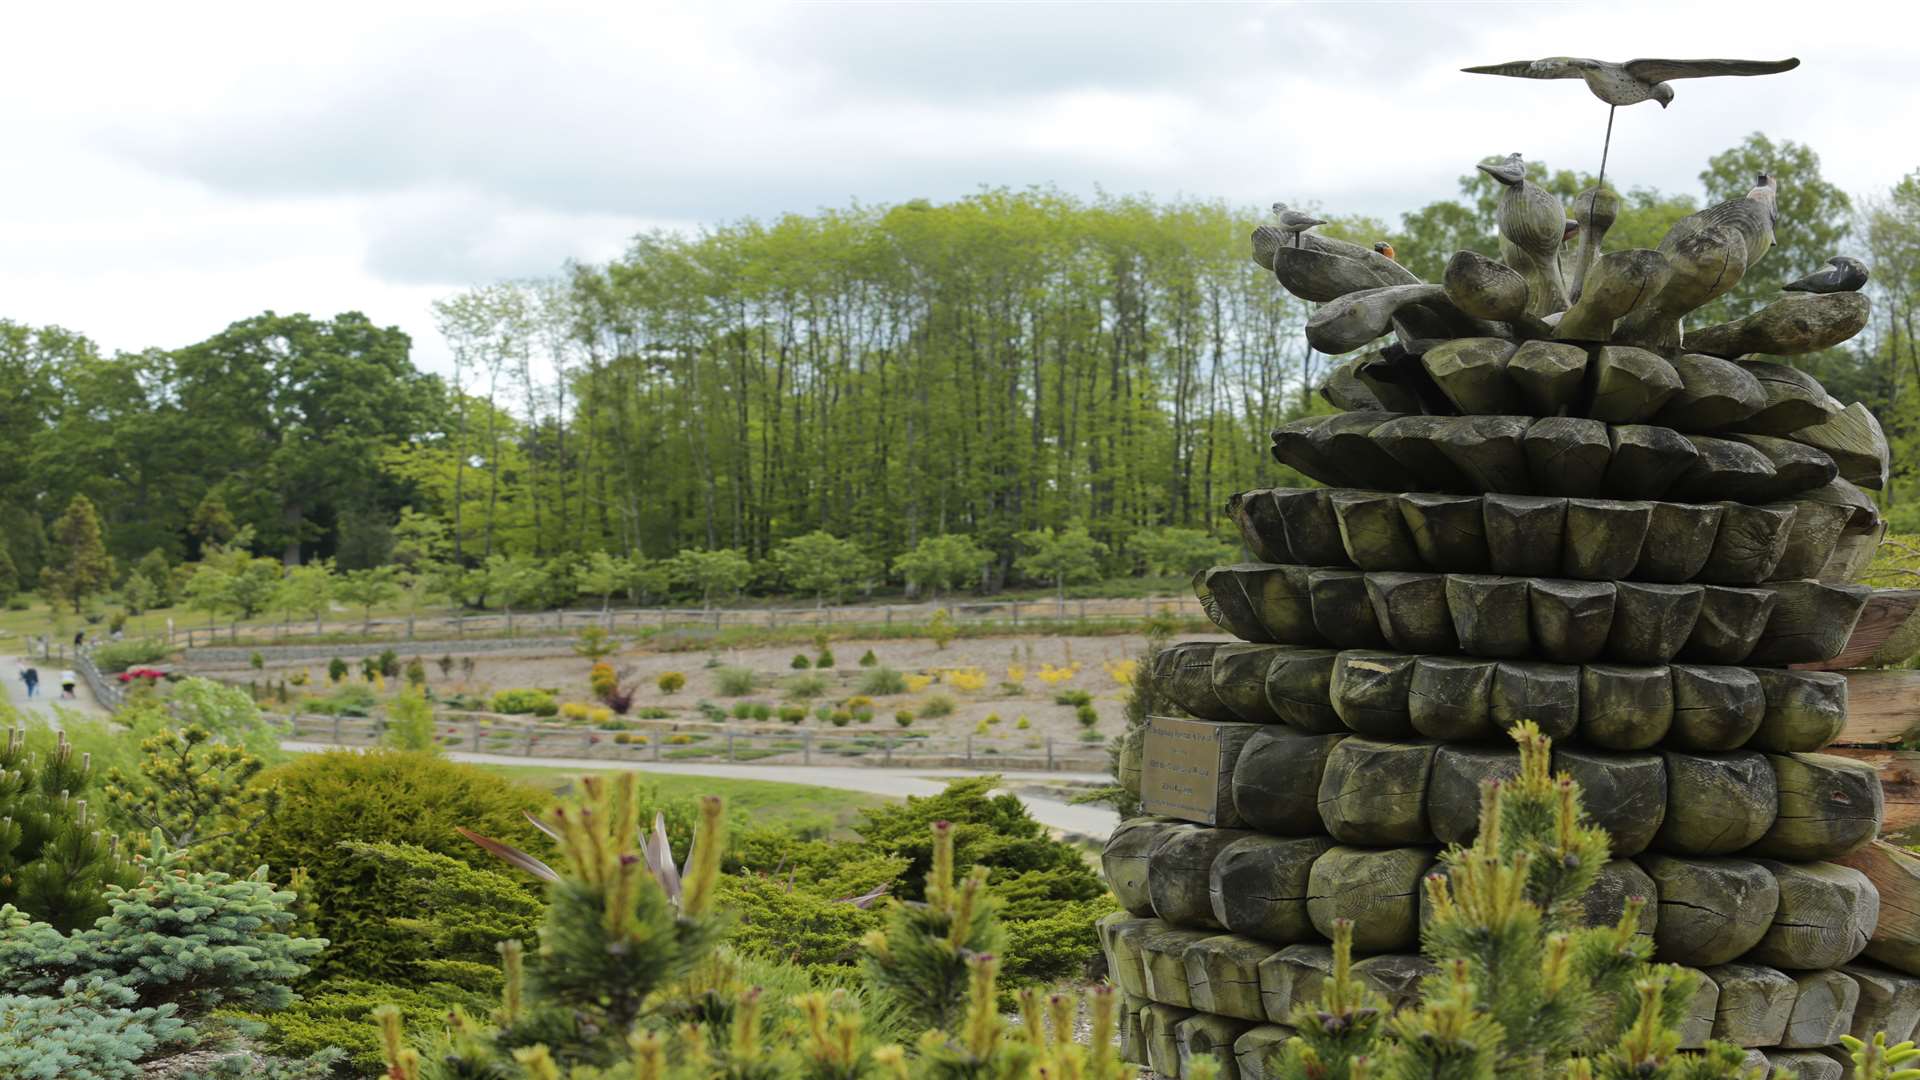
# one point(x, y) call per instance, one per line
point(882, 681)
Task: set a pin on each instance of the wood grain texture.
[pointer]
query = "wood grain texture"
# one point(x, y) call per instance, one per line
point(1895, 873)
point(1795, 399)
point(1711, 910)
point(1158, 1023)
point(1278, 599)
point(1276, 782)
point(1253, 1049)
point(1680, 537)
point(1810, 623)
point(1604, 538)
point(1646, 460)
point(1731, 621)
point(1792, 325)
point(1629, 385)
point(1374, 792)
point(1163, 955)
point(1183, 673)
point(1889, 1002)
point(1448, 531)
point(1755, 1004)
point(1340, 604)
point(1123, 861)
point(1414, 442)
point(1453, 788)
point(1623, 793)
point(1451, 698)
point(1713, 394)
point(1300, 689)
point(1472, 372)
point(1715, 707)
point(1751, 542)
point(1887, 622)
point(1826, 914)
point(1369, 692)
point(1569, 620)
point(1489, 450)
point(1651, 623)
point(1177, 873)
point(1294, 974)
point(1547, 694)
point(1805, 710)
point(1854, 440)
point(1210, 1037)
point(1411, 608)
point(1550, 376)
point(1829, 806)
point(1223, 975)
point(1716, 803)
point(1239, 673)
point(1490, 614)
point(1372, 531)
point(1625, 707)
point(1811, 540)
point(1568, 456)
point(1524, 533)
point(1377, 888)
point(1258, 888)
point(1312, 531)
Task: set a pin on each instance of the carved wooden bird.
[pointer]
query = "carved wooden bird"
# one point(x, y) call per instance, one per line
point(1846, 275)
point(1384, 248)
point(1293, 222)
point(1533, 226)
point(1634, 81)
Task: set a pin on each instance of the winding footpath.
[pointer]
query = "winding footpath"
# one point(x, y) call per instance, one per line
point(47, 703)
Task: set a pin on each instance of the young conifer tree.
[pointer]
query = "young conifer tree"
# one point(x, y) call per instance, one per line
point(55, 860)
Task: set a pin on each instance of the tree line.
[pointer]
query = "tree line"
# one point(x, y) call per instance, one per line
point(879, 376)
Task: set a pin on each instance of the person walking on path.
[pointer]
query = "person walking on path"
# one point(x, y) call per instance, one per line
point(31, 676)
point(67, 682)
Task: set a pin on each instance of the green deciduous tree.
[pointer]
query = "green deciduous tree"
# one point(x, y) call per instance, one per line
point(306, 590)
point(820, 563)
point(710, 572)
point(77, 565)
point(1169, 549)
point(941, 562)
point(368, 589)
point(513, 581)
point(602, 575)
point(1061, 556)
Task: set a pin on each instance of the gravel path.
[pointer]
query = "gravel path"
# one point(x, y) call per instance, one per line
point(47, 702)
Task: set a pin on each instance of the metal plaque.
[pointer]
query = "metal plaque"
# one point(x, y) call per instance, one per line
point(1180, 774)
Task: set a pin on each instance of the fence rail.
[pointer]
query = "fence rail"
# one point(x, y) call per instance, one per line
point(493, 734)
point(559, 622)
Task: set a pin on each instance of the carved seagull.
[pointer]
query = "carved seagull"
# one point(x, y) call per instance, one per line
point(1293, 222)
point(1634, 81)
point(1847, 275)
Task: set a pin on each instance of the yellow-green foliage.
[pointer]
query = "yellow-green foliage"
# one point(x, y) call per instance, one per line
point(670, 682)
point(382, 795)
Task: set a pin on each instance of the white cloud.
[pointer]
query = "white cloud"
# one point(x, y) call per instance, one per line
point(179, 168)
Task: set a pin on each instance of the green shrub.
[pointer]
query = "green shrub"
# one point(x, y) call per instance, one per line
point(904, 718)
point(792, 714)
point(800, 662)
point(882, 681)
point(840, 718)
point(824, 712)
point(670, 682)
point(416, 672)
point(19, 602)
point(865, 716)
point(867, 659)
point(936, 706)
point(336, 669)
point(120, 655)
point(824, 660)
point(381, 796)
point(388, 663)
point(732, 681)
point(653, 712)
point(347, 699)
point(54, 862)
point(1074, 698)
point(410, 723)
point(762, 711)
point(806, 687)
point(1087, 715)
point(338, 1013)
point(256, 661)
point(711, 711)
point(524, 701)
point(743, 710)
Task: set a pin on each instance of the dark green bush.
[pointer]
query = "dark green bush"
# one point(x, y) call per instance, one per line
point(1087, 715)
point(382, 795)
point(338, 1013)
point(121, 655)
point(524, 701)
point(867, 659)
point(792, 714)
point(800, 662)
point(936, 706)
point(1075, 698)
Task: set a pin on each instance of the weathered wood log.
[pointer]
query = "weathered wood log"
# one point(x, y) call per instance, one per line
point(1321, 268)
point(1792, 325)
point(1594, 211)
point(1489, 450)
point(1163, 958)
point(1711, 910)
point(1123, 861)
point(1340, 605)
point(1312, 531)
point(1629, 385)
point(1277, 780)
point(1293, 446)
point(1750, 544)
point(1604, 538)
point(1805, 710)
point(1372, 531)
point(1887, 632)
point(1854, 440)
point(1715, 707)
point(1651, 622)
point(1396, 977)
point(1895, 873)
point(1448, 531)
point(1223, 598)
point(1453, 789)
point(1279, 598)
point(1177, 872)
point(1755, 1004)
point(1680, 537)
point(1625, 707)
point(1889, 1002)
point(1703, 265)
point(1300, 689)
point(1547, 694)
point(1731, 621)
point(1451, 698)
point(1158, 1022)
point(1240, 680)
point(1550, 376)
point(1346, 438)
point(1258, 887)
point(1131, 760)
point(1646, 460)
point(1810, 622)
point(1811, 539)
point(1828, 806)
point(1795, 400)
point(1713, 394)
point(1524, 533)
point(1411, 609)
point(1490, 614)
point(1621, 881)
point(1853, 554)
point(1696, 1027)
point(1401, 382)
point(1377, 888)
point(1823, 1007)
point(1129, 962)
point(1223, 975)
point(1133, 1042)
point(1206, 1036)
point(1619, 282)
point(1293, 976)
point(1801, 1065)
point(1624, 794)
point(1369, 691)
point(1826, 913)
point(1472, 372)
point(1183, 673)
point(1414, 442)
point(1866, 512)
point(1343, 389)
point(1483, 288)
point(1374, 792)
point(1724, 469)
point(1568, 456)
point(1569, 620)
point(1261, 530)
point(1716, 803)
point(1797, 467)
point(1347, 322)
point(1258, 1046)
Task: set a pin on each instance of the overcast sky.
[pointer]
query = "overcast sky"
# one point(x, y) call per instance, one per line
point(175, 167)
